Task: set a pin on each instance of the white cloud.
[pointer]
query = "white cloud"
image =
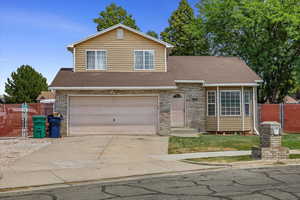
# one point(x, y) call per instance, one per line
point(41, 20)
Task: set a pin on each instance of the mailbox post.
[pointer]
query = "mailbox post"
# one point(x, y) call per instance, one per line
point(270, 143)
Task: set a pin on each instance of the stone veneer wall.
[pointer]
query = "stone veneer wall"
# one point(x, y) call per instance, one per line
point(195, 105)
point(194, 95)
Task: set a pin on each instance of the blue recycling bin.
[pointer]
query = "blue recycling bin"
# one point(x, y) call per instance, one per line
point(54, 126)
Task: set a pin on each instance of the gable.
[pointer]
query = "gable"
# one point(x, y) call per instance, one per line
point(111, 37)
point(120, 52)
point(117, 26)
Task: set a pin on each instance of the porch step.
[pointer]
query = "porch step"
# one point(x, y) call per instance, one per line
point(184, 131)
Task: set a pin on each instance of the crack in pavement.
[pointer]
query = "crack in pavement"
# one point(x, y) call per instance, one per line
point(224, 184)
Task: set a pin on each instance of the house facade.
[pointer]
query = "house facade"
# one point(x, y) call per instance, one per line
point(125, 82)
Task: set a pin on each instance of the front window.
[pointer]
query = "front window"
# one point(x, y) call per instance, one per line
point(211, 103)
point(96, 59)
point(144, 59)
point(230, 103)
point(247, 99)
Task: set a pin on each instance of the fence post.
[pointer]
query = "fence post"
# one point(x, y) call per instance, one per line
point(281, 115)
point(24, 120)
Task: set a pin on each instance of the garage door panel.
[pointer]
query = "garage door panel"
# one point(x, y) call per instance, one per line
point(98, 115)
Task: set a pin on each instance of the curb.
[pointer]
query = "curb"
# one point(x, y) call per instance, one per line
point(94, 181)
point(246, 164)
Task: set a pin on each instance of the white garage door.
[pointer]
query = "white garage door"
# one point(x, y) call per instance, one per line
point(112, 115)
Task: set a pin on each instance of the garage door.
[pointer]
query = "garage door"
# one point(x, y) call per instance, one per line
point(112, 115)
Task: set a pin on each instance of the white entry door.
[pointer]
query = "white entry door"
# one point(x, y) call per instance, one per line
point(177, 111)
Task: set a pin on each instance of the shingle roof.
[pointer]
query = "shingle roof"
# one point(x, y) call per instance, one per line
point(46, 95)
point(210, 69)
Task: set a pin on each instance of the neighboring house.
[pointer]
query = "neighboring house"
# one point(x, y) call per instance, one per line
point(46, 97)
point(123, 81)
point(289, 100)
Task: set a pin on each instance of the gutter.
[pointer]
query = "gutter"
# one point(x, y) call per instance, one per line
point(229, 84)
point(189, 81)
point(115, 88)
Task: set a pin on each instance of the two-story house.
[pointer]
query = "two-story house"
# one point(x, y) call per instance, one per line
point(124, 81)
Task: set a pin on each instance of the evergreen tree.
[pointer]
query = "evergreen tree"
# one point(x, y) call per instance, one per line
point(185, 32)
point(25, 85)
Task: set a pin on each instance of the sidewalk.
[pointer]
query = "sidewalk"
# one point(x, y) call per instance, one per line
point(174, 157)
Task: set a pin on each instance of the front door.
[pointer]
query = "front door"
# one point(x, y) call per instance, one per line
point(177, 111)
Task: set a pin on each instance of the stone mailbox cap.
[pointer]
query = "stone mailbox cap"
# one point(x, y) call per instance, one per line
point(270, 123)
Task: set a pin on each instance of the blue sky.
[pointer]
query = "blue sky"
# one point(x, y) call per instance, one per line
point(36, 32)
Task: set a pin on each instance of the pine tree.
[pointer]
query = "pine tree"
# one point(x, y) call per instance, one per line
point(24, 85)
point(185, 32)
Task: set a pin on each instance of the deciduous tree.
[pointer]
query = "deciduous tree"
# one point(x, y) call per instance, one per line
point(265, 34)
point(153, 34)
point(112, 15)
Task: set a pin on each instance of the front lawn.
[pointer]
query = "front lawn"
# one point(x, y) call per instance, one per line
point(230, 159)
point(206, 143)
point(223, 159)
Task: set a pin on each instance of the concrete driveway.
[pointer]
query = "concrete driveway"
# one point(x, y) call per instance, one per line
point(85, 158)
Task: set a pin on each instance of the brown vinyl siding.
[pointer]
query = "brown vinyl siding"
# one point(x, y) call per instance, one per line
point(120, 52)
point(229, 123)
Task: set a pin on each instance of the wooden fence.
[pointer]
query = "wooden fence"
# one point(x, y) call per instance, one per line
point(288, 115)
point(11, 117)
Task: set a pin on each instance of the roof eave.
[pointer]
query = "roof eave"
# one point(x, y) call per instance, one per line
point(116, 88)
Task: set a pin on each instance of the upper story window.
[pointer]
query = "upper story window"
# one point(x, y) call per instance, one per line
point(211, 103)
point(230, 103)
point(96, 59)
point(143, 59)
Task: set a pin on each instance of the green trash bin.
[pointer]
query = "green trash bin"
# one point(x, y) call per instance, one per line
point(39, 126)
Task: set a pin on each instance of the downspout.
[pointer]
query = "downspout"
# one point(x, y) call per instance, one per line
point(74, 59)
point(218, 109)
point(243, 112)
point(254, 111)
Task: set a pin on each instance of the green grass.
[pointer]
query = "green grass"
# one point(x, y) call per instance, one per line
point(230, 159)
point(291, 141)
point(223, 159)
point(294, 156)
point(206, 143)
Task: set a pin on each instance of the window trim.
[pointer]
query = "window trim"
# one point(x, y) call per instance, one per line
point(221, 103)
point(86, 60)
point(144, 50)
point(215, 93)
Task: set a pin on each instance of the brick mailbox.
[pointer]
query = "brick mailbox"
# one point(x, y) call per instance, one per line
point(270, 143)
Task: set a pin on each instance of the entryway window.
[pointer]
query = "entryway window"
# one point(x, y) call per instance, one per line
point(96, 59)
point(211, 103)
point(143, 59)
point(230, 103)
point(247, 99)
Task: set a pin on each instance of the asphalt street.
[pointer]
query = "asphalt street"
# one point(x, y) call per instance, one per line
point(251, 184)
